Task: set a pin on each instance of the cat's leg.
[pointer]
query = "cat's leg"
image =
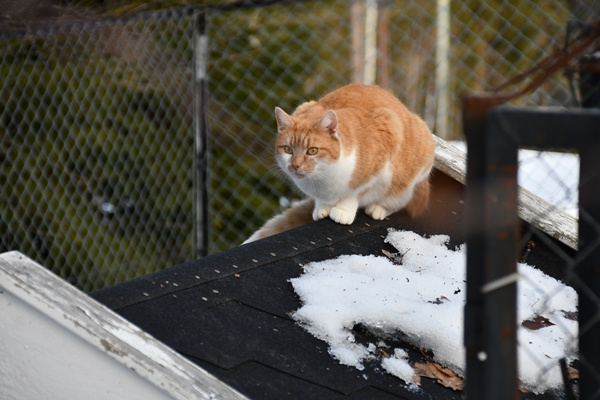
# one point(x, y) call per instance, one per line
point(321, 210)
point(420, 199)
point(376, 211)
point(344, 211)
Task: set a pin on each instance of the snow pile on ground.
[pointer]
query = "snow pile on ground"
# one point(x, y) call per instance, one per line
point(419, 297)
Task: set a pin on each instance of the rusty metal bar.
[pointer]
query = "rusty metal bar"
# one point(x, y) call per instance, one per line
point(475, 108)
point(500, 218)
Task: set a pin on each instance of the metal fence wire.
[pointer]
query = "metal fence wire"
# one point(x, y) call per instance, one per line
point(97, 118)
point(570, 312)
point(95, 137)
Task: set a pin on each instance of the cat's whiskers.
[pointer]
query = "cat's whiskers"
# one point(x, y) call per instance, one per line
point(320, 181)
point(274, 170)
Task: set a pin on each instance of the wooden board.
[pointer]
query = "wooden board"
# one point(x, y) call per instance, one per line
point(106, 331)
point(532, 209)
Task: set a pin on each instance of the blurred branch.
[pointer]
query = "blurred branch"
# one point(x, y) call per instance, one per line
point(585, 10)
point(558, 60)
point(27, 14)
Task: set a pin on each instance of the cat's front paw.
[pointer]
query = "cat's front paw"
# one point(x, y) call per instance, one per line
point(375, 211)
point(342, 216)
point(321, 212)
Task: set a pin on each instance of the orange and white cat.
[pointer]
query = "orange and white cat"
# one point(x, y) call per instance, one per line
point(357, 147)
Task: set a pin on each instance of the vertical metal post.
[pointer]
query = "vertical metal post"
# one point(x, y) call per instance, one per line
point(442, 68)
point(370, 68)
point(500, 266)
point(356, 10)
point(589, 272)
point(474, 126)
point(383, 45)
point(475, 108)
point(201, 231)
point(589, 237)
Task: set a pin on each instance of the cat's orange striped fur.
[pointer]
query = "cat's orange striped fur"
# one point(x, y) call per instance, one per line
point(358, 146)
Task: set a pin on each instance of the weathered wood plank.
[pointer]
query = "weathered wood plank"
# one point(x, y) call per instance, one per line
point(532, 209)
point(108, 331)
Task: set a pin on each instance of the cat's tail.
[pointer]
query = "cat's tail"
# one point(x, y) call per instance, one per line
point(297, 215)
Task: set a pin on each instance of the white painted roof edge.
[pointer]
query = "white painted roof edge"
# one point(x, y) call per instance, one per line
point(108, 331)
point(532, 209)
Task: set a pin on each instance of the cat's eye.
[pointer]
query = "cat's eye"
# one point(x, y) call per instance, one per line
point(288, 149)
point(312, 151)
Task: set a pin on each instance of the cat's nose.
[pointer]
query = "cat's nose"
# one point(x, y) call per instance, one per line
point(295, 166)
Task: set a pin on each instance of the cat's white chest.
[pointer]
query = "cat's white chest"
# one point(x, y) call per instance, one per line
point(329, 181)
point(376, 188)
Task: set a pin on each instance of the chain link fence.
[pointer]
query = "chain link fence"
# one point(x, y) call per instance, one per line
point(94, 147)
point(557, 308)
point(97, 117)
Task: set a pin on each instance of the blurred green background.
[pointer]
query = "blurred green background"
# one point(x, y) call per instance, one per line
point(96, 113)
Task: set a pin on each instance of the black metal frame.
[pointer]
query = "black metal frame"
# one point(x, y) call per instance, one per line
point(494, 135)
point(201, 212)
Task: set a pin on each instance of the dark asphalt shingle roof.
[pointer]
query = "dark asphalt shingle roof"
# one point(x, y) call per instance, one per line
point(229, 312)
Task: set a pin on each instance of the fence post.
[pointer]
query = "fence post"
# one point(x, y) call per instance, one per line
point(356, 10)
point(370, 60)
point(588, 270)
point(383, 45)
point(589, 237)
point(477, 332)
point(500, 261)
point(442, 68)
point(201, 231)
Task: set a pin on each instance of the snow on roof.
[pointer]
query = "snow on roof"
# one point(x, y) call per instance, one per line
point(551, 209)
point(418, 295)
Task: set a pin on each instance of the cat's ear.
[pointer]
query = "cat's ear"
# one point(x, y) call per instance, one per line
point(283, 119)
point(330, 122)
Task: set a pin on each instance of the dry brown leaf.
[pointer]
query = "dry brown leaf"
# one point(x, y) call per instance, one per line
point(388, 254)
point(572, 315)
point(573, 373)
point(444, 376)
point(538, 322)
point(422, 369)
point(417, 379)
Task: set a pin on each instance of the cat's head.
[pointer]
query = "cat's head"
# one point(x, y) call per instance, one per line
point(306, 143)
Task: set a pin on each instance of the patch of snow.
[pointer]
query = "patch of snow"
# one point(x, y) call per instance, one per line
point(398, 365)
point(553, 176)
point(419, 298)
